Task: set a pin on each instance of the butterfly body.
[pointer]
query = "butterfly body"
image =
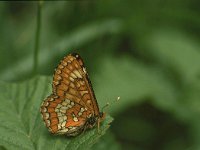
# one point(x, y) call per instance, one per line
point(72, 107)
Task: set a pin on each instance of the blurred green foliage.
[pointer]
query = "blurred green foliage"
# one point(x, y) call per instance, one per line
point(146, 52)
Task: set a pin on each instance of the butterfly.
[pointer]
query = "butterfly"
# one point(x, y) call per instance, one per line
point(72, 107)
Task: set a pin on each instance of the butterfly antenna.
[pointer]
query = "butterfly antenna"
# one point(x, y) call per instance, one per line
point(103, 108)
point(107, 104)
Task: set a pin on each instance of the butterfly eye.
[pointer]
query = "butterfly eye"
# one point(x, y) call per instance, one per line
point(101, 114)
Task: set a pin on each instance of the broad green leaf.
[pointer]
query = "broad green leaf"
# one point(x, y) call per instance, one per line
point(21, 123)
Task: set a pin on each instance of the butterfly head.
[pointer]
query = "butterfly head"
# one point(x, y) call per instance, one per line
point(102, 115)
point(92, 121)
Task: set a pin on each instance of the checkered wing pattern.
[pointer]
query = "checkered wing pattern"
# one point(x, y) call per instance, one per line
point(72, 106)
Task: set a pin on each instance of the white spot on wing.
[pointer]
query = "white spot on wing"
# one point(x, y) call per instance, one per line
point(44, 109)
point(47, 123)
point(56, 82)
point(63, 111)
point(61, 66)
point(72, 103)
point(59, 126)
point(67, 100)
point(73, 75)
point(84, 70)
point(64, 103)
point(76, 72)
point(69, 106)
point(59, 114)
point(64, 130)
point(73, 128)
point(58, 106)
point(64, 108)
point(65, 118)
point(83, 92)
point(51, 99)
point(63, 124)
point(75, 119)
point(46, 115)
point(80, 113)
point(72, 79)
point(64, 63)
point(56, 110)
point(59, 77)
point(61, 119)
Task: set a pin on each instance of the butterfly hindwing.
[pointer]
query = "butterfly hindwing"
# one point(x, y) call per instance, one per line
point(62, 116)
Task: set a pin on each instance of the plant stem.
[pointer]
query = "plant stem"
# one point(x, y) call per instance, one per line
point(37, 38)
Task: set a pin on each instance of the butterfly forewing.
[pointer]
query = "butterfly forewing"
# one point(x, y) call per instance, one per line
point(73, 101)
point(71, 81)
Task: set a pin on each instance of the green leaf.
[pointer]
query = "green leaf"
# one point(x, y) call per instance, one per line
point(107, 142)
point(22, 126)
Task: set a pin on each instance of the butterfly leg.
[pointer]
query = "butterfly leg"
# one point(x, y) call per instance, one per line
point(84, 129)
point(98, 126)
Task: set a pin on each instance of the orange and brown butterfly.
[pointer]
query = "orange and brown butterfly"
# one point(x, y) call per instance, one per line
point(72, 107)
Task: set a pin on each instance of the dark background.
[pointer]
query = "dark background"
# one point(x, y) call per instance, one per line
point(146, 52)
